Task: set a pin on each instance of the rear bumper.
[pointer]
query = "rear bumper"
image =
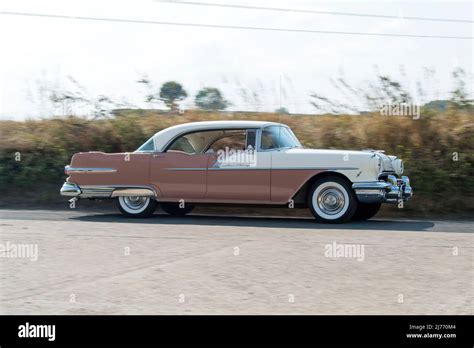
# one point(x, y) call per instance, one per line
point(100, 191)
point(391, 191)
point(70, 189)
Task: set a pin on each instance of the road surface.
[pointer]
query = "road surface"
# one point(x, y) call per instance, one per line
point(91, 262)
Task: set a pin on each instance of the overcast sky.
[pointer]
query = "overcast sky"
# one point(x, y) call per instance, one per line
point(107, 58)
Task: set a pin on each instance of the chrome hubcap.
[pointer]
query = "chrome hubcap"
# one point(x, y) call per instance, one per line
point(136, 203)
point(331, 201)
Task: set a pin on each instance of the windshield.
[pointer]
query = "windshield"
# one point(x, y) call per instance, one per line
point(275, 137)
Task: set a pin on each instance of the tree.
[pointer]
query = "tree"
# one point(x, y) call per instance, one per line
point(282, 110)
point(210, 98)
point(459, 96)
point(171, 92)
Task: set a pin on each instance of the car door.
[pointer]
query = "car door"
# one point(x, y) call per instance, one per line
point(180, 171)
point(286, 178)
point(236, 171)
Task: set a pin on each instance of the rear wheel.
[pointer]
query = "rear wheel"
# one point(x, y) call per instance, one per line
point(332, 200)
point(136, 207)
point(175, 209)
point(366, 210)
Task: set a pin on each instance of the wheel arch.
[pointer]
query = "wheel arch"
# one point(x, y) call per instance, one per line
point(302, 194)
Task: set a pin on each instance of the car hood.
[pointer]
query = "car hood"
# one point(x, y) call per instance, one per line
point(388, 163)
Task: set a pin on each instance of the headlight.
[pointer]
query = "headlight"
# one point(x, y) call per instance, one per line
point(379, 164)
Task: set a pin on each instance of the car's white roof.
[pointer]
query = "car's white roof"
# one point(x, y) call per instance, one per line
point(163, 137)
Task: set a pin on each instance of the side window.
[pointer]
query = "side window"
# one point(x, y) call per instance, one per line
point(275, 137)
point(251, 139)
point(269, 139)
point(235, 141)
point(148, 146)
point(197, 142)
point(211, 141)
point(182, 144)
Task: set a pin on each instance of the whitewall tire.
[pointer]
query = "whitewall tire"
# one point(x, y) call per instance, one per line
point(332, 200)
point(136, 206)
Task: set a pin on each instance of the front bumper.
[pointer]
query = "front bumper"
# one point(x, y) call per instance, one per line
point(391, 191)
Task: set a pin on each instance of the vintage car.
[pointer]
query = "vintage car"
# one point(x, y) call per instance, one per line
point(239, 162)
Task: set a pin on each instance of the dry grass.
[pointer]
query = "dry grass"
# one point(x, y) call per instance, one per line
point(427, 146)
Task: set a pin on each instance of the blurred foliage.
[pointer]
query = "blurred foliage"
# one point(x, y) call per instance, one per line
point(382, 89)
point(429, 146)
point(210, 98)
point(171, 92)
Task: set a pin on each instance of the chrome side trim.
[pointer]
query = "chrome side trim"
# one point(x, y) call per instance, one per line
point(256, 168)
point(185, 169)
point(284, 168)
point(374, 185)
point(69, 169)
point(133, 192)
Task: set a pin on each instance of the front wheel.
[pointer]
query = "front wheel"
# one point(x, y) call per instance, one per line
point(136, 207)
point(332, 200)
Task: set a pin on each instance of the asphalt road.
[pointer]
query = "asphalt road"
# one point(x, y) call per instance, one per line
point(101, 263)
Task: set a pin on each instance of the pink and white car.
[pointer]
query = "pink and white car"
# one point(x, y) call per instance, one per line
point(238, 162)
